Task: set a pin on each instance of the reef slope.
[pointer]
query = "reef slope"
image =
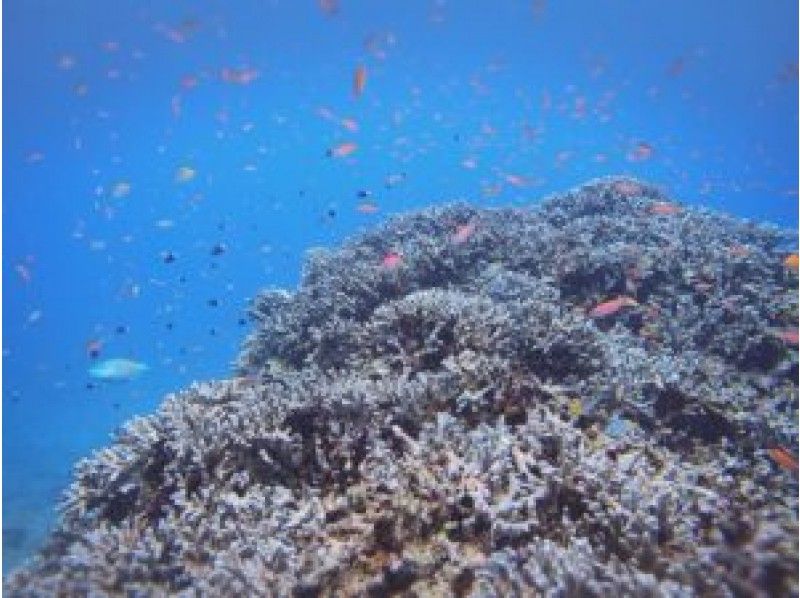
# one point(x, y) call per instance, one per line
point(471, 418)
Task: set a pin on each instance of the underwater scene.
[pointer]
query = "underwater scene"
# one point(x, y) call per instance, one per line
point(317, 298)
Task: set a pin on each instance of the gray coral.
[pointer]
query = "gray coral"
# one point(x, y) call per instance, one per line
point(460, 425)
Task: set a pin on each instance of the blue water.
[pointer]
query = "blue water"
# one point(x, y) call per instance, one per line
point(545, 95)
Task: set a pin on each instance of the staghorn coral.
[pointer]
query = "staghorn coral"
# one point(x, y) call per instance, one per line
point(414, 431)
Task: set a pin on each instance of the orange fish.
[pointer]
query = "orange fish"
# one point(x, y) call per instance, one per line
point(463, 233)
point(359, 80)
point(641, 151)
point(612, 306)
point(792, 261)
point(342, 150)
point(783, 458)
point(662, 208)
point(391, 260)
point(367, 207)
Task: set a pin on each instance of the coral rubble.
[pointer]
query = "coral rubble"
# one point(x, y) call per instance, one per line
point(460, 424)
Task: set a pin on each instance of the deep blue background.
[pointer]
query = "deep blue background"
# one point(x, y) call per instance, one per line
point(461, 79)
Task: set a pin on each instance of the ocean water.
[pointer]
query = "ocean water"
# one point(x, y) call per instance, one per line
point(105, 104)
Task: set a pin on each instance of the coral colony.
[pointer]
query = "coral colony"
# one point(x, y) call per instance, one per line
point(596, 396)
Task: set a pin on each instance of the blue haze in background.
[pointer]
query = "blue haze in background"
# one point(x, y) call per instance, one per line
point(496, 103)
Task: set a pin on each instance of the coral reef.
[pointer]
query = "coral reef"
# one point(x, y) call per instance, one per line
point(459, 423)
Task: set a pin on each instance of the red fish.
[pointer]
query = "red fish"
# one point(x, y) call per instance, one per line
point(662, 208)
point(392, 260)
point(641, 151)
point(367, 207)
point(359, 80)
point(463, 233)
point(329, 7)
point(342, 150)
point(612, 306)
point(783, 458)
point(789, 336)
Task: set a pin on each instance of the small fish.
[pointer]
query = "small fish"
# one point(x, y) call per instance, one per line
point(515, 180)
point(627, 188)
point(349, 124)
point(117, 369)
point(392, 260)
point(367, 207)
point(93, 348)
point(640, 152)
point(575, 408)
point(342, 150)
point(359, 80)
point(393, 180)
point(184, 174)
point(328, 7)
point(24, 273)
point(792, 261)
point(789, 336)
point(783, 458)
point(608, 308)
point(243, 76)
point(463, 233)
point(662, 208)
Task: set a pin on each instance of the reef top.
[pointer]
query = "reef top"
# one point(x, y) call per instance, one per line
point(593, 396)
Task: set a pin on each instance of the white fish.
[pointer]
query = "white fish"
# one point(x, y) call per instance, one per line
point(117, 369)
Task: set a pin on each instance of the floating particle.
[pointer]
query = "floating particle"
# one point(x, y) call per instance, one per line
point(342, 150)
point(359, 80)
point(66, 62)
point(393, 180)
point(184, 174)
point(35, 157)
point(121, 189)
point(349, 124)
